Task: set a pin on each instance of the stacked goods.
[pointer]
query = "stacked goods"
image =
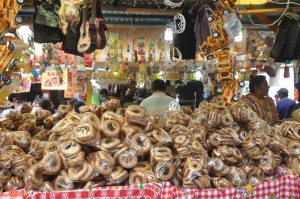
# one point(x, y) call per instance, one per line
point(107, 145)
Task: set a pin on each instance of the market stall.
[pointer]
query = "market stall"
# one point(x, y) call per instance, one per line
point(224, 148)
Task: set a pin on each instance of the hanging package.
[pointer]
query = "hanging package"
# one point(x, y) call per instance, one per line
point(186, 41)
point(46, 21)
point(286, 45)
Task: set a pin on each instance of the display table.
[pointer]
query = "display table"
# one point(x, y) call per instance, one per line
point(285, 187)
point(151, 190)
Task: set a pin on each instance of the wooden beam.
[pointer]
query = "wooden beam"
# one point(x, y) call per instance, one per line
point(263, 18)
point(140, 11)
point(266, 10)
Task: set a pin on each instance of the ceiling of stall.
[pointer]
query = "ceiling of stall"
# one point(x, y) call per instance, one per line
point(153, 12)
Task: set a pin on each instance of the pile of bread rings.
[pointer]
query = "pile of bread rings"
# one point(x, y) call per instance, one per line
point(211, 147)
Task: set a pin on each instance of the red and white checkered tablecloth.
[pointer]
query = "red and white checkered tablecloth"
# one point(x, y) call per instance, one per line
point(285, 187)
point(17, 194)
point(146, 191)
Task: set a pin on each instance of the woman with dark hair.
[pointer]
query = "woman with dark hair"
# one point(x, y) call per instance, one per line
point(72, 101)
point(259, 101)
point(46, 105)
point(77, 105)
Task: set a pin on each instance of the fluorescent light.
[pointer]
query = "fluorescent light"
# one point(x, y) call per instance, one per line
point(254, 2)
point(168, 34)
point(199, 75)
point(239, 37)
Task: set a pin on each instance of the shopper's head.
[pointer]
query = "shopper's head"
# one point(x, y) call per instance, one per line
point(46, 105)
point(259, 86)
point(103, 93)
point(158, 85)
point(77, 105)
point(72, 101)
point(283, 92)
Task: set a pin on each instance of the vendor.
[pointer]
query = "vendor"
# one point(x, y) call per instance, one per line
point(46, 105)
point(103, 95)
point(158, 102)
point(259, 101)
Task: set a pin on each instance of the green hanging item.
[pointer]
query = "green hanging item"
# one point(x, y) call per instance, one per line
point(95, 96)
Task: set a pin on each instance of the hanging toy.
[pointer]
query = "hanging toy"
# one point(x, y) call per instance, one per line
point(172, 4)
point(177, 28)
point(174, 107)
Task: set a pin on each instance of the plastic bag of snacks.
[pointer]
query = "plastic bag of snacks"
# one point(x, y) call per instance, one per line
point(232, 25)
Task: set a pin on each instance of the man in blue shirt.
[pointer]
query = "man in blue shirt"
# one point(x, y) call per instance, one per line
point(285, 105)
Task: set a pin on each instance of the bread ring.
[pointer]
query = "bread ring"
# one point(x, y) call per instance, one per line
point(42, 114)
point(161, 154)
point(73, 117)
point(121, 111)
point(20, 169)
point(15, 183)
point(164, 170)
point(51, 146)
point(89, 175)
point(75, 160)
point(141, 166)
point(199, 132)
point(77, 172)
point(136, 114)
point(33, 177)
point(202, 182)
point(85, 134)
point(162, 137)
point(135, 111)
point(294, 148)
point(137, 177)
point(140, 143)
point(109, 115)
point(110, 128)
point(51, 163)
point(117, 176)
point(219, 105)
point(63, 183)
point(42, 135)
point(64, 109)
point(5, 175)
point(25, 108)
point(127, 131)
point(84, 109)
point(128, 159)
point(119, 152)
point(93, 108)
point(222, 183)
point(66, 137)
point(47, 187)
point(64, 161)
point(29, 126)
point(227, 119)
point(104, 164)
point(109, 143)
point(92, 119)
point(184, 119)
point(180, 139)
point(29, 116)
point(70, 149)
point(2, 138)
point(22, 139)
point(187, 110)
point(179, 130)
point(62, 127)
point(114, 104)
